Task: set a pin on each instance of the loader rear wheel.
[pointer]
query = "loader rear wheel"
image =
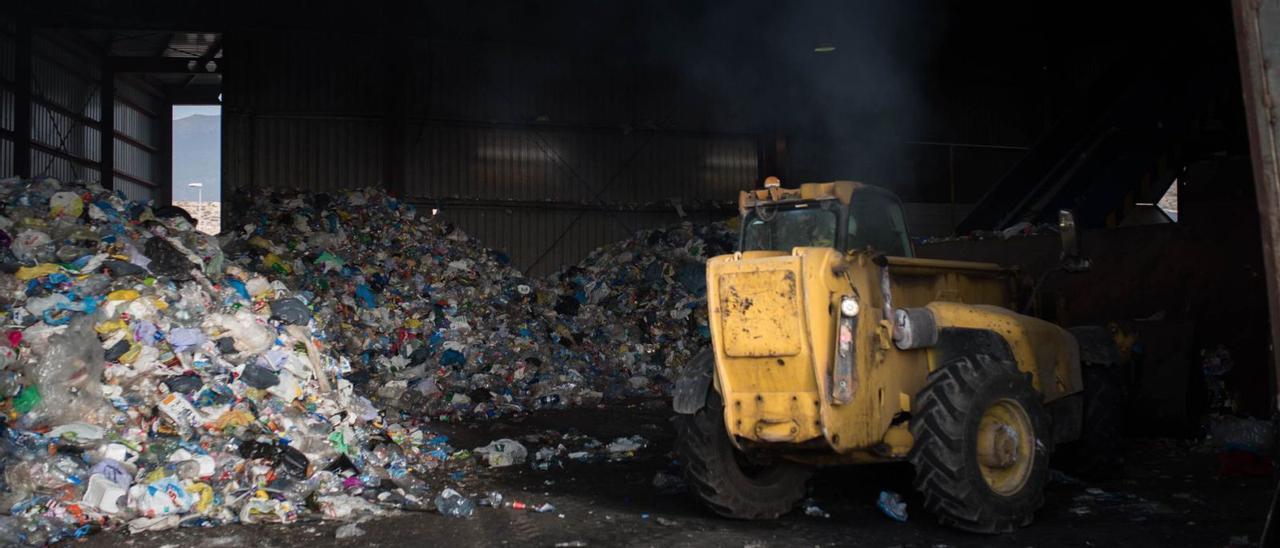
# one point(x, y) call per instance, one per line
point(1101, 450)
point(726, 480)
point(982, 445)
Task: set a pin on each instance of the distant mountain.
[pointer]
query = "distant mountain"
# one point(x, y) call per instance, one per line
point(197, 156)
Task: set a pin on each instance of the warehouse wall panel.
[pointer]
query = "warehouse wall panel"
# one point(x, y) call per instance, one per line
point(6, 52)
point(524, 83)
point(66, 114)
point(64, 75)
point(6, 157)
point(928, 220)
point(64, 109)
point(7, 98)
point(134, 161)
point(466, 162)
point(318, 73)
point(558, 151)
point(135, 123)
point(62, 168)
point(6, 109)
point(139, 150)
point(316, 154)
point(237, 156)
point(132, 190)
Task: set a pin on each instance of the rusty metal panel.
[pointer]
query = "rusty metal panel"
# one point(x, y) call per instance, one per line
point(1257, 25)
point(315, 153)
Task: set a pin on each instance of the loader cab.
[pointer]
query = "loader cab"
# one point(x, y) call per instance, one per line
point(871, 218)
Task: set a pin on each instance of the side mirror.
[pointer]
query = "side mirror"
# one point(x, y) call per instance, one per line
point(1071, 259)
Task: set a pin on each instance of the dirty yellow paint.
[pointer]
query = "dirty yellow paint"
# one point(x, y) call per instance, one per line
point(1043, 349)
point(773, 318)
point(760, 314)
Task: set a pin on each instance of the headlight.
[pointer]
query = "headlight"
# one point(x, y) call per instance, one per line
point(849, 307)
point(844, 378)
point(914, 328)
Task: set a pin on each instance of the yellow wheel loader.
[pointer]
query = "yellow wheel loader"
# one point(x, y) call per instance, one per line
point(831, 344)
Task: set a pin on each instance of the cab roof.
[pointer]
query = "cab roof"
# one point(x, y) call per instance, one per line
point(841, 191)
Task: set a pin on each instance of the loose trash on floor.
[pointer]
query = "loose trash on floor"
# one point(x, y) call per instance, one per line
point(892, 505)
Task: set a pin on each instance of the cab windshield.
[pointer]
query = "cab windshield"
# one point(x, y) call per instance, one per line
point(781, 228)
point(875, 220)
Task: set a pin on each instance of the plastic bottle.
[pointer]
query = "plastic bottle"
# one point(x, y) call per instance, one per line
point(187, 469)
point(492, 499)
point(451, 503)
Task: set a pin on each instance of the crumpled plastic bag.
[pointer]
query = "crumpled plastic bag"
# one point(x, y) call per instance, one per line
point(1252, 435)
point(28, 243)
point(250, 337)
point(68, 378)
point(66, 204)
point(503, 452)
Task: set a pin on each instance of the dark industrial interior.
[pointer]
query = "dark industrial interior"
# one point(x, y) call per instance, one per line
point(546, 130)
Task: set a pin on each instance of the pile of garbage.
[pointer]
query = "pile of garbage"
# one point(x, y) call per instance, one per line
point(153, 376)
point(147, 380)
point(438, 325)
point(636, 309)
point(435, 324)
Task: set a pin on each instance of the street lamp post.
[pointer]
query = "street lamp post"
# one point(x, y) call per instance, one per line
point(199, 198)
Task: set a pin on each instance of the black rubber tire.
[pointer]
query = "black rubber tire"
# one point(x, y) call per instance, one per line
point(945, 422)
point(715, 477)
point(1100, 452)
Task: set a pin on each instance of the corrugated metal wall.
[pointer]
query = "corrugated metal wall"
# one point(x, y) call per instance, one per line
point(7, 54)
point(65, 111)
point(579, 165)
point(66, 116)
point(139, 116)
point(302, 111)
point(526, 154)
point(316, 153)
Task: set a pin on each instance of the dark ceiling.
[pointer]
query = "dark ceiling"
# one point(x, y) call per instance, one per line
point(996, 73)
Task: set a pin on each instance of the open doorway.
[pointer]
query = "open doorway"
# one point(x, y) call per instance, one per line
point(197, 163)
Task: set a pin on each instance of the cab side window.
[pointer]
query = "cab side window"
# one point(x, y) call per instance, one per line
point(877, 222)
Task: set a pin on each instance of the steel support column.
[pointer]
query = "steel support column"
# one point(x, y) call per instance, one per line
point(22, 101)
point(107, 127)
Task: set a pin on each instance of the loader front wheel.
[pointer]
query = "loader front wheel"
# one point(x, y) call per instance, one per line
point(726, 480)
point(982, 445)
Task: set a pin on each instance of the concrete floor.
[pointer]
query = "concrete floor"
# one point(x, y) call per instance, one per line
point(1169, 496)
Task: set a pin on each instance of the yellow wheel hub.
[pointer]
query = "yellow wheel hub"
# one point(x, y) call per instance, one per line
point(1006, 446)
